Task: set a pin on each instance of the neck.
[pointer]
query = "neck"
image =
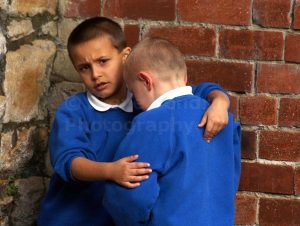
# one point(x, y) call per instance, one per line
point(163, 87)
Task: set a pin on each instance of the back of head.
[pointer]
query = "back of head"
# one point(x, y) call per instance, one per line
point(97, 27)
point(158, 56)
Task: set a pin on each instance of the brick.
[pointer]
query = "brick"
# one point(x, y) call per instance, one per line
point(272, 13)
point(267, 178)
point(232, 76)
point(32, 7)
point(135, 9)
point(289, 114)
point(195, 41)
point(132, 34)
point(292, 48)
point(246, 209)
point(249, 44)
point(279, 212)
point(297, 181)
point(234, 106)
point(278, 78)
point(279, 145)
point(26, 76)
point(216, 11)
point(297, 15)
point(82, 8)
point(258, 110)
point(249, 142)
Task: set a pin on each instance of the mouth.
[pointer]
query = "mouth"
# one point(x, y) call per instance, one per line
point(101, 86)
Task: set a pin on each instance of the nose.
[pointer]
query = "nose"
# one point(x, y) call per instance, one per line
point(96, 72)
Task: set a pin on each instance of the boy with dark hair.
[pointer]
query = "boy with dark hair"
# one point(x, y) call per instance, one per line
point(192, 182)
point(89, 127)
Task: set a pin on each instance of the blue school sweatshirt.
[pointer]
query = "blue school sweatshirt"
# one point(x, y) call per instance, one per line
point(193, 182)
point(81, 131)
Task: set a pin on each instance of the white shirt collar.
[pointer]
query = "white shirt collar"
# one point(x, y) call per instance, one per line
point(181, 91)
point(98, 105)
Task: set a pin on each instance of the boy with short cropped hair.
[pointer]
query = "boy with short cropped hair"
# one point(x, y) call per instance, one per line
point(192, 182)
point(89, 126)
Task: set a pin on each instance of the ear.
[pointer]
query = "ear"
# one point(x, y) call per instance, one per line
point(147, 79)
point(125, 53)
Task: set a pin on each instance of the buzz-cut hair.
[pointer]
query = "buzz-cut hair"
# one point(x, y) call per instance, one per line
point(157, 55)
point(97, 27)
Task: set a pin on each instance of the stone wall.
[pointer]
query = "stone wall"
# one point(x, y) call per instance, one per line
point(250, 47)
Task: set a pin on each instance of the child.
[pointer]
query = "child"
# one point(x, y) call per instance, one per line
point(193, 182)
point(89, 127)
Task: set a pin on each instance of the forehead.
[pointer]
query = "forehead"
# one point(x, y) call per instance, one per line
point(94, 48)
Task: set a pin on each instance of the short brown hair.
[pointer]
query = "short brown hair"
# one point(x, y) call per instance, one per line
point(97, 27)
point(157, 55)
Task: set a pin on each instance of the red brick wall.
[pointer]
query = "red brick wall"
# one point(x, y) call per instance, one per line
point(251, 48)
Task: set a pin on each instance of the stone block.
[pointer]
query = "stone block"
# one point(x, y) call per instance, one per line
point(3, 6)
point(30, 194)
point(2, 43)
point(50, 28)
point(32, 7)
point(16, 149)
point(60, 92)
point(19, 29)
point(63, 68)
point(26, 80)
point(65, 27)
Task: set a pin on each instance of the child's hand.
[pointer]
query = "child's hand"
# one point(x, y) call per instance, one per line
point(215, 119)
point(128, 173)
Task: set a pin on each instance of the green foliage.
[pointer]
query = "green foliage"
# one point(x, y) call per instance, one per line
point(11, 188)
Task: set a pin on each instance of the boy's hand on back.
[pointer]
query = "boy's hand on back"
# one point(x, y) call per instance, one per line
point(215, 118)
point(128, 173)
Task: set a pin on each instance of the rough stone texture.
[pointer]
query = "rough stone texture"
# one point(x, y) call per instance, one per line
point(64, 29)
point(6, 203)
point(63, 69)
point(50, 28)
point(3, 6)
point(30, 193)
point(60, 92)
point(2, 105)
point(32, 7)
point(19, 29)
point(25, 80)
point(16, 149)
point(2, 43)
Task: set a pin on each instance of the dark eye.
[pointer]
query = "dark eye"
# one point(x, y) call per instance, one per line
point(103, 61)
point(84, 68)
